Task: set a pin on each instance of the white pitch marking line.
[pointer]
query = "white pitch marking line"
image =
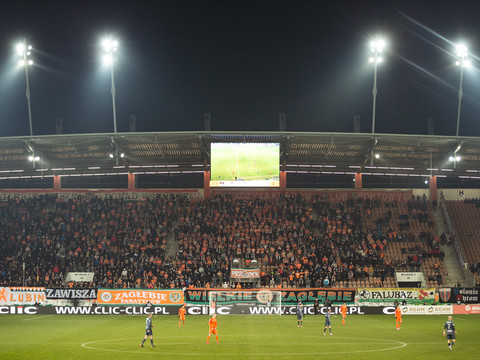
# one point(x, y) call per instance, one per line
point(402, 345)
point(38, 317)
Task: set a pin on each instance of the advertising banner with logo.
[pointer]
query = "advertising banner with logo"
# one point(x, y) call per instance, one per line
point(22, 295)
point(191, 310)
point(466, 309)
point(252, 310)
point(461, 295)
point(138, 297)
point(387, 296)
point(427, 310)
point(289, 296)
point(70, 294)
point(244, 275)
point(89, 310)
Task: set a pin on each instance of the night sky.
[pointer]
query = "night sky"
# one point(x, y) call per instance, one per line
point(242, 61)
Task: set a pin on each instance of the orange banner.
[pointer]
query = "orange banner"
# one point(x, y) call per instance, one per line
point(466, 309)
point(139, 297)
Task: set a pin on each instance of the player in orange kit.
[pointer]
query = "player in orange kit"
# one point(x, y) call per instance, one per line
point(398, 317)
point(181, 315)
point(343, 310)
point(213, 328)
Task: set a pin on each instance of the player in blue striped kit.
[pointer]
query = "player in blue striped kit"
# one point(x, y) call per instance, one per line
point(450, 331)
point(148, 331)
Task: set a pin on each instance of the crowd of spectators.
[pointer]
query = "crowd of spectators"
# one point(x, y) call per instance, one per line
point(124, 242)
point(117, 239)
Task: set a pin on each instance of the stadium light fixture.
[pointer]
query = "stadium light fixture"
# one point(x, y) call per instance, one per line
point(462, 61)
point(110, 47)
point(24, 50)
point(377, 47)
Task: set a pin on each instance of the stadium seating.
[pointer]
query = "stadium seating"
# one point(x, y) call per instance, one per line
point(465, 216)
point(295, 244)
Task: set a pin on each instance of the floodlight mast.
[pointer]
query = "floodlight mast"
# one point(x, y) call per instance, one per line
point(462, 53)
point(110, 47)
point(376, 47)
point(24, 51)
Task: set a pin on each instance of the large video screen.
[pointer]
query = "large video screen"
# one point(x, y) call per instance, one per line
point(245, 165)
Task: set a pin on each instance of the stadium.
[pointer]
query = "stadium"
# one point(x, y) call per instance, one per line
point(248, 244)
point(91, 245)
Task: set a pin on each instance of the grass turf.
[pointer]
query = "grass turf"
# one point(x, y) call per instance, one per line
point(241, 337)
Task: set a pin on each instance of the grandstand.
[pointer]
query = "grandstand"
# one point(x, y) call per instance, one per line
point(141, 230)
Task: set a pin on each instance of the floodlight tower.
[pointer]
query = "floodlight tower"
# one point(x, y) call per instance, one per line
point(462, 53)
point(109, 58)
point(25, 50)
point(376, 47)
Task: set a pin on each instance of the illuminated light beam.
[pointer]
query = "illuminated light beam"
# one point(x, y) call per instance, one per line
point(426, 28)
point(426, 72)
point(437, 35)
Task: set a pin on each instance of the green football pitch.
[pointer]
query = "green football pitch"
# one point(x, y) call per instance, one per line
point(241, 337)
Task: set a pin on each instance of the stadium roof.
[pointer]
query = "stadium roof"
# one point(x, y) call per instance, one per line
point(187, 152)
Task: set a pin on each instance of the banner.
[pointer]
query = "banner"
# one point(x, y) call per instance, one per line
point(427, 310)
point(89, 310)
point(387, 296)
point(466, 309)
point(173, 310)
point(401, 196)
point(289, 296)
point(244, 275)
point(83, 294)
point(136, 297)
point(79, 276)
point(143, 195)
point(459, 295)
point(224, 310)
point(22, 295)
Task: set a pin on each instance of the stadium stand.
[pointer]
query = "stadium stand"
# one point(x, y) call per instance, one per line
point(465, 216)
point(357, 244)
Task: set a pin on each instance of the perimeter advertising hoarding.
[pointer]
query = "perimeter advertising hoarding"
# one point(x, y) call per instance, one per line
point(427, 310)
point(387, 296)
point(139, 297)
point(466, 309)
point(289, 296)
point(22, 295)
point(203, 310)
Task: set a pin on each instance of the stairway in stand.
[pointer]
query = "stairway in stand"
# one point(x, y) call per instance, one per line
point(455, 273)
